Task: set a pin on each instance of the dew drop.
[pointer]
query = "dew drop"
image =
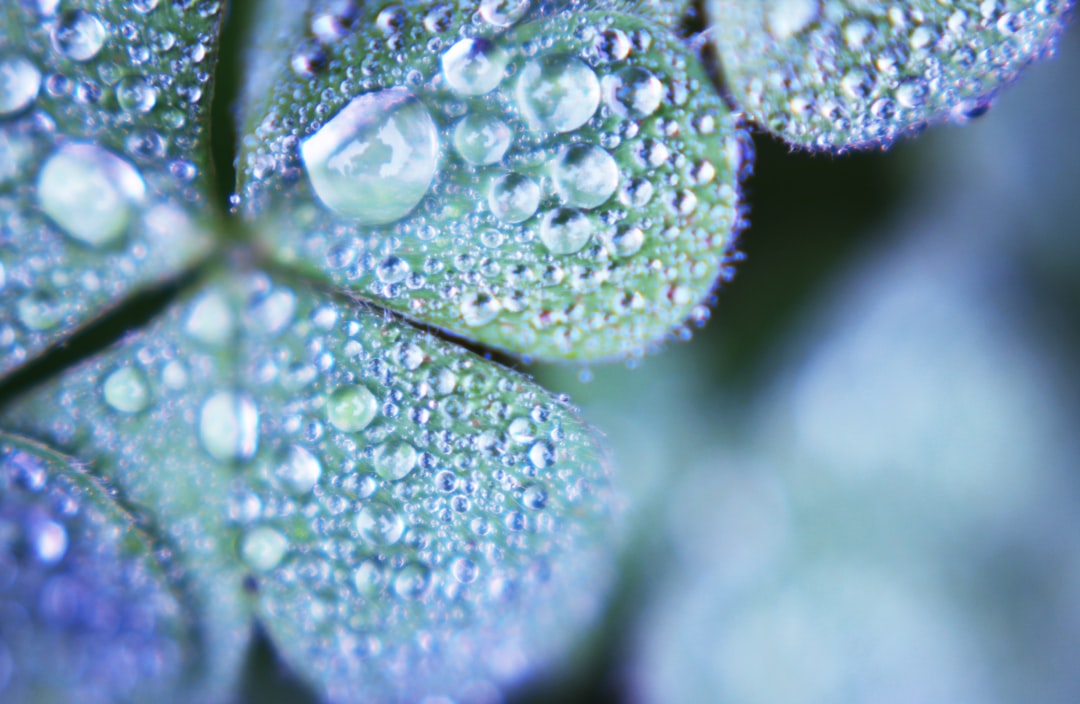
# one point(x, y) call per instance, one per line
point(79, 35)
point(39, 311)
point(379, 524)
point(299, 470)
point(262, 549)
point(20, 81)
point(394, 459)
point(126, 390)
point(786, 18)
point(135, 94)
point(48, 541)
point(557, 93)
point(464, 570)
point(542, 454)
point(229, 426)
point(565, 230)
point(368, 577)
point(482, 139)
point(350, 409)
point(585, 175)
point(89, 192)
point(479, 308)
point(412, 581)
point(210, 319)
point(375, 160)
point(503, 13)
point(474, 66)
point(633, 92)
point(534, 497)
point(513, 197)
point(273, 312)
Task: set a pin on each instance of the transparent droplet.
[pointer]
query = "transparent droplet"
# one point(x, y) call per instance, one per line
point(474, 66)
point(375, 160)
point(503, 13)
point(20, 81)
point(557, 93)
point(412, 581)
point(379, 524)
point(135, 94)
point(299, 470)
point(144, 7)
point(565, 230)
point(534, 497)
point(585, 175)
point(394, 459)
point(350, 409)
point(464, 570)
point(786, 18)
point(262, 549)
point(126, 390)
point(271, 314)
point(633, 92)
point(39, 311)
point(48, 541)
point(79, 35)
point(482, 139)
point(229, 426)
point(210, 319)
point(514, 197)
point(542, 454)
point(368, 577)
point(89, 192)
point(479, 308)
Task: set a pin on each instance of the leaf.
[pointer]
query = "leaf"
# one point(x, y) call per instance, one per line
point(560, 194)
point(103, 158)
point(89, 609)
point(409, 519)
point(858, 73)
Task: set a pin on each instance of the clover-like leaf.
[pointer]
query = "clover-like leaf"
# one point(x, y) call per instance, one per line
point(562, 184)
point(103, 158)
point(852, 73)
point(91, 611)
point(407, 518)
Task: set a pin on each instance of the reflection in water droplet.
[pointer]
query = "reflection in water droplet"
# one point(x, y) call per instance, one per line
point(229, 426)
point(633, 92)
point(135, 94)
point(412, 581)
point(395, 459)
point(513, 197)
point(464, 570)
point(565, 230)
point(368, 577)
point(379, 524)
point(351, 408)
point(300, 470)
point(542, 454)
point(557, 93)
point(262, 549)
point(503, 13)
point(585, 175)
point(376, 158)
point(48, 541)
point(210, 319)
point(482, 139)
point(20, 81)
point(785, 18)
point(39, 311)
point(126, 390)
point(89, 192)
point(479, 308)
point(474, 66)
point(79, 35)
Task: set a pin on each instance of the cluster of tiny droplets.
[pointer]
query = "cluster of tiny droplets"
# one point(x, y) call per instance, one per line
point(839, 73)
point(566, 185)
point(87, 615)
point(410, 516)
point(101, 108)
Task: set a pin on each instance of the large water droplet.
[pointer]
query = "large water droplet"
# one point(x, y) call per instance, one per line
point(503, 13)
point(413, 581)
point(786, 18)
point(210, 319)
point(89, 192)
point(464, 570)
point(482, 139)
point(394, 459)
point(585, 175)
point(479, 308)
point(39, 311)
point(565, 230)
point(351, 408)
point(263, 548)
point(513, 197)
point(79, 35)
point(135, 94)
point(20, 81)
point(379, 524)
point(633, 92)
point(557, 93)
point(474, 66)
point(229, 426)
point(375, 160)
point(300, 470)
point(126, 390)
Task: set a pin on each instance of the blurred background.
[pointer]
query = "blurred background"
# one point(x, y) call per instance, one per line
point(860, 481)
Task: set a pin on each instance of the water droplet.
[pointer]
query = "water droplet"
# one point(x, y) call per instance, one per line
point(368, 577)
point(633, 92)
point(262, 549)
point(479, 308)
point(229, 426)
point(376, 158)
point(786, 18)
point(412, 581)
point(135, 94)
point(464, 570)
point(300, 470)
point(79, 35)
point(534, 497)
point(210, 319)
point(474, 66)
point(20, 81)
point(39, 311)
point(394, 460)
point(542, 454)
point(89, 192)
point(126, 390)
point(482, 139)
point(565, 230)
point(557, 93)
point(585, 175)
point(503, 13)
point(48, 541)
point(144, 7)
point(350, 409)
point(379, 524)
point(513, 197)
point(272, 312)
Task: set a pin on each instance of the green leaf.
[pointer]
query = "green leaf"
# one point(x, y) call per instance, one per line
point(91, 607)
point(563, 187)
point(410, 519)
point(103, 158)
point(856, 73)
